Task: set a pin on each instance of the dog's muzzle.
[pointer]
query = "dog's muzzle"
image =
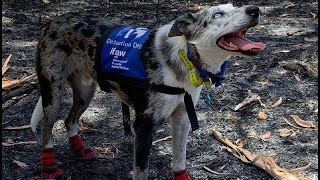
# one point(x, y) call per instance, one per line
point(253, 11)
point(237, 42)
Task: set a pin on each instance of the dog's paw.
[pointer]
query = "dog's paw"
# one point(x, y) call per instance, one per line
point(181, 175)
point(50, 169)
point(52, 172)
point(79, 149)
point(85, 154)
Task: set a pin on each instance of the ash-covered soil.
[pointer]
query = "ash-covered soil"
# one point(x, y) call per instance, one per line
point(290, 30)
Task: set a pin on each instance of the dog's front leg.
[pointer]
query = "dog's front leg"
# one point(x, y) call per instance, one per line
point(143, 128)
point(180, 130)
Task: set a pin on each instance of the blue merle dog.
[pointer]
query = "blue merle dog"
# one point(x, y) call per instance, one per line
point(68, 51)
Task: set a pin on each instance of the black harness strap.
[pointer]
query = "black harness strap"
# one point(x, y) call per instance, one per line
point(187, 102)
point(167, 89)
point(191, 111)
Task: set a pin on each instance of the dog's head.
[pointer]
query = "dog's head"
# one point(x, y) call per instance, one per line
point(220, 28)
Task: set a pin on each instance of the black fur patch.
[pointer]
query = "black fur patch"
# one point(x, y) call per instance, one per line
point(103, 28)
point(78, 26)
point(90, 19)
point(51, 66)
point(45, 84)
point(54, 35)
point(144, 124)
point(91, 50)
point(165, 48)
point(147, 53)
point(205, 24)
point(65, 47)
point(46, 29)
point(45, 90)
point(81, 101)
point(143, 127)
point(154, 65)
point(81, 45)
point(52, 79)
point(98, 40)
point(88, 32)
point(43, 44)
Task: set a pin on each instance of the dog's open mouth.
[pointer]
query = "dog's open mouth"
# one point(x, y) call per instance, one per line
point(237, 41)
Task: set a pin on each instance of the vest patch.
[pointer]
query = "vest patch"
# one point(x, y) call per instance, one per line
point(121, 53)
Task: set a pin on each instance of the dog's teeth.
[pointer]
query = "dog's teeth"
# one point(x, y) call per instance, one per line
point(232, 45)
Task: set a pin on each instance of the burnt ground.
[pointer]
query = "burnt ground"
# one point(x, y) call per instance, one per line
point(287, 27)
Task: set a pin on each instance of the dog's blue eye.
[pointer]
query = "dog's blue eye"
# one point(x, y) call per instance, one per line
point(217, 15)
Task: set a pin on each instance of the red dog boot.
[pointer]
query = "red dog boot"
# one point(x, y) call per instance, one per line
point(181, 175)
point(78, 148)
point(50, 169)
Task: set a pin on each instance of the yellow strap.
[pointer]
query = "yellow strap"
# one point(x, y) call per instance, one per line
point(192, 71)
point(194, 76)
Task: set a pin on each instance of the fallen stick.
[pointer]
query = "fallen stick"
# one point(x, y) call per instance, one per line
point(5, 66)
point(18, 127)
point(313, 70)
point(162, 139)
point(264, 162)
point(277, 103)
point(8, 83)
point(212, 171)
point(17, 143)
point(250, 98)
point(299, 169)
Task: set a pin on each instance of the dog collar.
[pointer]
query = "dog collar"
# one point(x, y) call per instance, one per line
point(215, 79)
point(193, 75)
point(196, 74)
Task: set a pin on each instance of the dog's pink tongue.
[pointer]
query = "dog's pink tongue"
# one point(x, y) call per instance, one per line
point(244, 43)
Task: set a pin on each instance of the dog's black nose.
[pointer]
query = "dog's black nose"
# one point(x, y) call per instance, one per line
point(253, 11)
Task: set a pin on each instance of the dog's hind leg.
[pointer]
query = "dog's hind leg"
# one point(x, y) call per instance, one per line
point(83, 91)
point(51, 92)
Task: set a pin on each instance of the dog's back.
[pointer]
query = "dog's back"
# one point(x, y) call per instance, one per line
point(69, 44)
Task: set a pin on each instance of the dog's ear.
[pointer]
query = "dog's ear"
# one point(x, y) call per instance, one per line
point(182, 25)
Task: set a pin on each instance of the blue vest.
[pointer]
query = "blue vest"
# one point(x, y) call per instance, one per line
point(121, 52)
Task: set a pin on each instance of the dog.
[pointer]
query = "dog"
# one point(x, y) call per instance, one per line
point(68, 50)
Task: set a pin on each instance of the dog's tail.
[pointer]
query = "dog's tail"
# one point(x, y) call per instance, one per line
point(37, 115)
